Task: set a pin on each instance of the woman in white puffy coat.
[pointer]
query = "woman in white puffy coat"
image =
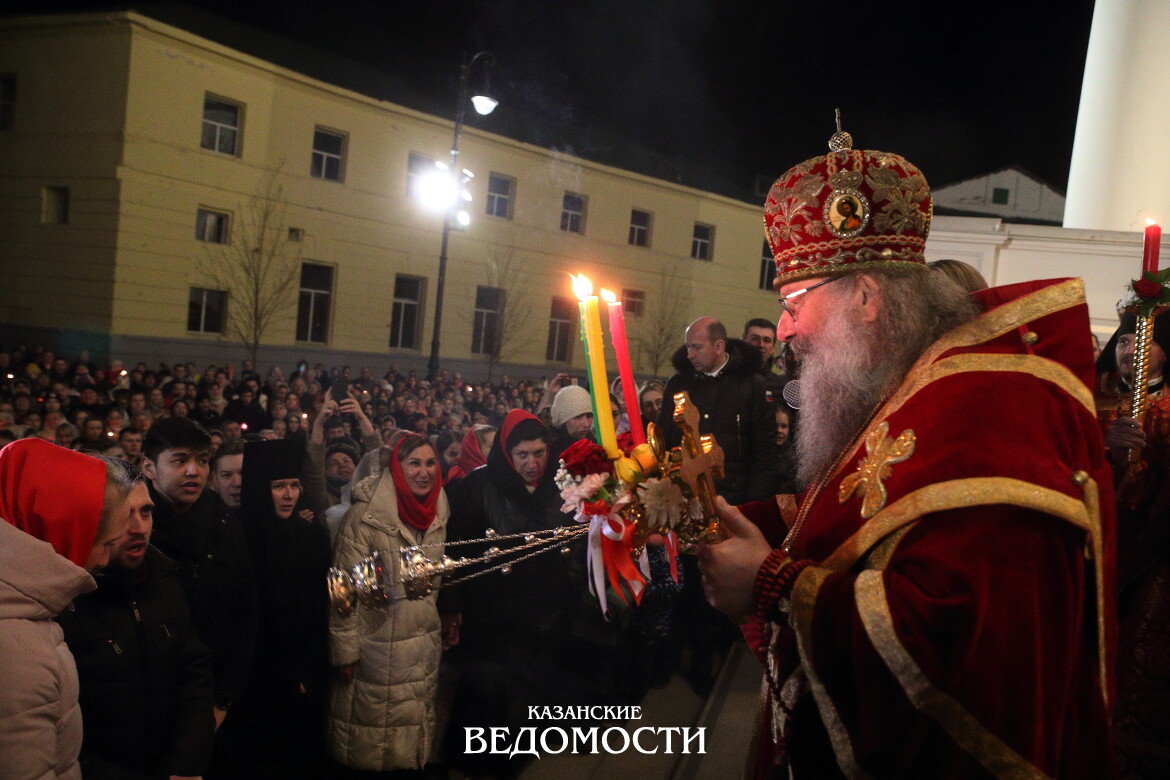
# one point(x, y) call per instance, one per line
point(386, 657)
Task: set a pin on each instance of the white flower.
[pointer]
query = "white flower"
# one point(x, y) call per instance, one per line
point(663, 502)
point(576, 493)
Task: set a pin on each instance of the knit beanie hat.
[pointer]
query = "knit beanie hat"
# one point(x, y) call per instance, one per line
point(569, 402)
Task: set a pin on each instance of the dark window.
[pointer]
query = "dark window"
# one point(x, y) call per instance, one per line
point(205, 310)
point(328, 155)
point(211, 226)
point(634, 302)
point(485, 329)
point(501, 191)
point(1000, 195)
point(55, 206)
point(573, 213)
point(639, 228)
point(560, 330)
point(7, 101)
point(767, 267)
point(404, 317)
point(221, 126)
point(296, 234)
point(314, 304)
point(701, 241)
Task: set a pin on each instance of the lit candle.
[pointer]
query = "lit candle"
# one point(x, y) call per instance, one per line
point(1151, 247)
point(621, 346)
point(595, 353)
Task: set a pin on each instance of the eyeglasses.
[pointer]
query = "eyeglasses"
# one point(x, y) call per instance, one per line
point(783, 300)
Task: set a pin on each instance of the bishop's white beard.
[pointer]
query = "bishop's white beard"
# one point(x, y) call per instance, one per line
point(842, 378)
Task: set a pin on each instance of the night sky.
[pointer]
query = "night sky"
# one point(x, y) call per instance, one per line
point(711, 93)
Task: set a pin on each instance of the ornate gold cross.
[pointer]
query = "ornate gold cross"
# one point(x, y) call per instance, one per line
point(882, 452)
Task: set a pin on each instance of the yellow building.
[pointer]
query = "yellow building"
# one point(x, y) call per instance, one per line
point(135, 155)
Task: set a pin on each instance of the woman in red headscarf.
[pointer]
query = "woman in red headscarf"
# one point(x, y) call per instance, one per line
point(63, 510)
point(386, 657)
point(476, 443)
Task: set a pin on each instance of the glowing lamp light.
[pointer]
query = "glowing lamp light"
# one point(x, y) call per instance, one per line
point(608, 296)
point(484, 104)
point(304, 415)
point(437, 190)
point(124, 372)
point(243, 426)
point(582, 287)
point(463, 218)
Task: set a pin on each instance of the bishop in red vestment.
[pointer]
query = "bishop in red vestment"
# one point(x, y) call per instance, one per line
point(936, 603)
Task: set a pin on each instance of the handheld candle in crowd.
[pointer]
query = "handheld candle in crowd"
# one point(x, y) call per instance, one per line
point(1152, 246)
point(595, 354)
point(621, 347)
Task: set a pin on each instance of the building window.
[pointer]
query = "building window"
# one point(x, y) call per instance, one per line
point(221, 126)
point(485, 328)
point(404, 318)
point(296, 235)
point(416, 166)
point(328, 154)
point(314, 304)
point(633, 302)
point(1000, 195)
point(7, 101)
point(639, 228)
point(767, 267)
point(560, 330)
point(55, 206)
point(205, 310)
point(501, 192)
point(211, 226)
point(701, 241)
point(573, 213)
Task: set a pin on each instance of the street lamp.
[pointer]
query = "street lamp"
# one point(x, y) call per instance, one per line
point(450, 193)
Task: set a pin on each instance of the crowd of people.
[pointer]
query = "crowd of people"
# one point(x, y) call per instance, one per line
point(958, 591)
point(210, 632)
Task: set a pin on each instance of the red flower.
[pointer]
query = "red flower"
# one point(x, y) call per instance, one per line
point(595, 508)
point(584, 457)
point(625, 442)
point(1144, 288)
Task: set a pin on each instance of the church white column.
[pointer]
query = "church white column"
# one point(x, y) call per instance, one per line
point(1120, 172)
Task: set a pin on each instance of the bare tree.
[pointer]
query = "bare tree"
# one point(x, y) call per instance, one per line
point(258, 267)
point(512, 327)
point(660, 331)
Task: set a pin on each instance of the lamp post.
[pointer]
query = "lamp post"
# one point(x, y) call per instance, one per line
point(484, 105)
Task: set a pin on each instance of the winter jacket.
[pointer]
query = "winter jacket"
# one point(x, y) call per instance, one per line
point(40, 720)
point(146, 685)
point(541, 596)
point(216, 571)
point(736, 407)
point(385, 718)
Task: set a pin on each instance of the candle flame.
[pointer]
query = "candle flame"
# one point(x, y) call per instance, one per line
point(608, 296)
point(1150, 221)
point(582, 287)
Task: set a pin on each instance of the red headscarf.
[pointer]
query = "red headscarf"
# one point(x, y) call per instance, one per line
point(419, 514)
point(53, 494)
point(514, 418)
point(471, 457)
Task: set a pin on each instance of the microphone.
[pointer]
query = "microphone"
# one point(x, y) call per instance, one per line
point(791, 393)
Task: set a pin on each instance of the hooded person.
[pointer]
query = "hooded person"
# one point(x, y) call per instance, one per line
point(386, 656)
point(62, 510)
point(284, 707)
point(515, 630)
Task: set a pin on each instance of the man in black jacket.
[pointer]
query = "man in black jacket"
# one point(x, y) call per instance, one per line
point(146, 685)
point(723, 379)
point(193, 526)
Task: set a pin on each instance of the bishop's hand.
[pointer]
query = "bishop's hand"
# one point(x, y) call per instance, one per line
point(730, 566)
